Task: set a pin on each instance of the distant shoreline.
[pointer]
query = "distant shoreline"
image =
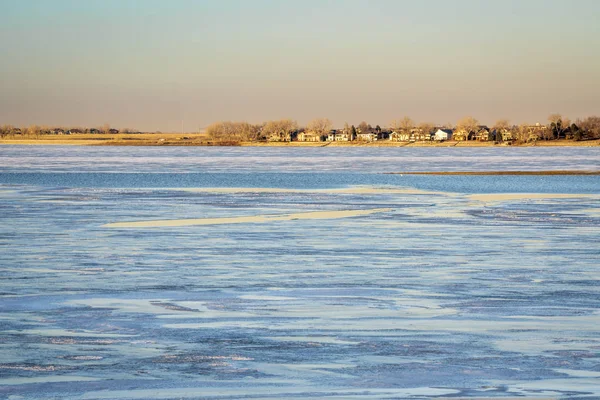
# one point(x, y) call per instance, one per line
point(171, 139)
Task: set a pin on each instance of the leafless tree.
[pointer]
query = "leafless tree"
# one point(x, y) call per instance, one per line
point(554, 118)
point(590, 127)
point(558, 124)
point(406, 124)
point(395, 125)
point(280, 130)
point(363, 127)
point(469, 124)
point(33, 130)
point(320, 126)
point(522, 133)
point(501, 124)
point(233, 131)
point(426, 128)
point(6, 130)
point(501, 127)
point(346, 128)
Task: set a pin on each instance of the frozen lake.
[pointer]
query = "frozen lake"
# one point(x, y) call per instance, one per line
point(262, 273)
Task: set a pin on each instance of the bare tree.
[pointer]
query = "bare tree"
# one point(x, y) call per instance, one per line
point(280, 130)
point(363, 127)
point(426, 128)
point(558, 125)
point(466, 127)
point(395, 125)
point(249, 132)
point(554, 118)
point(320, 126)
point(501, 124)
point(33, 130)
point(406, 124)
point(522, 133)
point(469, 124)
point(6, 130)
point(500, 127)
point(591, 127)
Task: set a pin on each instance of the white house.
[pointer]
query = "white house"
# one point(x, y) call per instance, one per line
point(443, 134)
point(367, 136)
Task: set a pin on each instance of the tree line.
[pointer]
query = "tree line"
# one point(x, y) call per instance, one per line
point(321, 129)
point(36, 131)
point(469, 128)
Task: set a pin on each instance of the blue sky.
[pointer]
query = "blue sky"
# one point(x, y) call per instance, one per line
point(150, 64)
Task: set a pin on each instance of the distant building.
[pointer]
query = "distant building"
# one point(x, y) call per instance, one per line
point(505, 134)
point(418, 135)
point(443, 134)
point(338, 136)
point(366, 136)
point(483, 134)
point(480, 133)
point(309, 136)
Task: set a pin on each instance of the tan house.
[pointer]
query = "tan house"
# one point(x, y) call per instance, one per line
point(461, 134)
point(309, 136)
point(280, 137)
point(507, 135)
point(482, 132)
point(536, 132)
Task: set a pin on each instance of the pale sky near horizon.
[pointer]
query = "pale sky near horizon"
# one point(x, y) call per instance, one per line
point(151, 64)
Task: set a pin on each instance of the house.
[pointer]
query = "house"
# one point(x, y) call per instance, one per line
point(442, 134)
point(483, 134)
point(402, 135)
point(280, 137)
point(418, 135)
point(480, 133)
point(506, 134)
point(536, 132)
point(461, 134)
point(338, 136)
point(367, 136)
point(309, 136)
point(399, 136)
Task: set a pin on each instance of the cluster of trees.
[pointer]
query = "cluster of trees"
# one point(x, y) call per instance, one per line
point(558, 127)
point(36, 131)
point(282, 130)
